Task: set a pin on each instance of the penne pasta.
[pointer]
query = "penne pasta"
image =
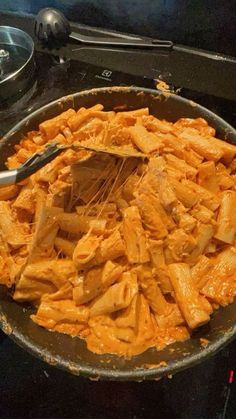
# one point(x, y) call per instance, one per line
point(66, 247)
point(134, 236)
point(74, 223)
point(111, 248)
point(210, 150)
point(187, 170)
point(144, 140)
point(178, 246)
point(129, 315)
point(204, 234)
point(40, 195)
point(126, 253)
point(117, 297)
point(10, 230)
point(220, 284)
point(207, 198)
point(85, 250)
point(156, 125)
point(25, 201)
point(8, 192)
point(157, 179)
point(50, 313)
point(200, 270)
point(207, 176)
point(203, 214)
point(226, 220)
point(52, 127)
point(225, 181)
point(153, 215)
point(187, 295)
point(160, 270)
point(42, 244)
point(184, 194)
point(135, 113)
point(166, 314)
point(95, 282)
point(187, 223)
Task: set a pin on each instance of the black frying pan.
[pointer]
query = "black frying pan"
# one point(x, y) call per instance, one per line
point(71, 353)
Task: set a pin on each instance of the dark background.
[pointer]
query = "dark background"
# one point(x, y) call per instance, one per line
point(30, 388)
point(207, 24)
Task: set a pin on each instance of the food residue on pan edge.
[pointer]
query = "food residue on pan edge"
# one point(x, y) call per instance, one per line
point(162, 85)
point(204, 342)
point(5, 326)
point(153, 366)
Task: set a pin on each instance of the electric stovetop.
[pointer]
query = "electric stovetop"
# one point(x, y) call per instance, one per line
point(28, 387)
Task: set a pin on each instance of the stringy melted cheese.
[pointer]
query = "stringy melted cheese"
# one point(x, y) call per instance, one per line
point(126, 253)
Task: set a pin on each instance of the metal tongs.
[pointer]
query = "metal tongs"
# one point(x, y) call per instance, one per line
point(52, 150)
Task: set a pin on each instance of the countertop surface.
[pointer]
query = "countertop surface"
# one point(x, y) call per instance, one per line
point(30, 388)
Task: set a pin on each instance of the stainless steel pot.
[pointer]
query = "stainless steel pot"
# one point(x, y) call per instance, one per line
point(17, 64)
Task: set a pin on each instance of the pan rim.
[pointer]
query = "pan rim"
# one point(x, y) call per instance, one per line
point(123, 89)
point(137, 374)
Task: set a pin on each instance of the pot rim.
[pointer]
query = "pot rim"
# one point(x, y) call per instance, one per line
point(31, 52)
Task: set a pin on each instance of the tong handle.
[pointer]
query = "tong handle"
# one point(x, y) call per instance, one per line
point(30, 166)
point(8, 177)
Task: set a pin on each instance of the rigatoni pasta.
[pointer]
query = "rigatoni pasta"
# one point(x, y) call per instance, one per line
point(125, 253)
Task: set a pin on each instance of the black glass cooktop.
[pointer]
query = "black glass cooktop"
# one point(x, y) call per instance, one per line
point(202, 76)
point(57, 75)
point(28, 387)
